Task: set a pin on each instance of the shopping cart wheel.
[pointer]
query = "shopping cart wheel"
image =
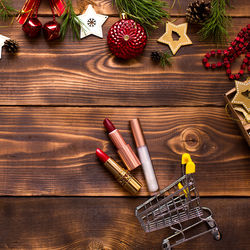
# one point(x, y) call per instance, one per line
point(166, 245)
point(216, 233)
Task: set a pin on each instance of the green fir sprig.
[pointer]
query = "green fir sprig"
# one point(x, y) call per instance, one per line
point(161, 58)
point(6, 10)
point(146, 12)
point(165, 59)
point(216, 26)
point(71, 20)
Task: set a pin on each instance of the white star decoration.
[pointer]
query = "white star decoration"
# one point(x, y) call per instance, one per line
point(91, 23)
point(2, 40)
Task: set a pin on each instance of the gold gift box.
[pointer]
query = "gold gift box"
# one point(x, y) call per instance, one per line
point(238, 116)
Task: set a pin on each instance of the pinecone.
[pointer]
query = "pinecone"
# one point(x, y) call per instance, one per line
point(11, 46)
point(198, 12)
point(156, 56)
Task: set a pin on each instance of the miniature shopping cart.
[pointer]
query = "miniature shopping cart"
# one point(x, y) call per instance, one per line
point(178, 207)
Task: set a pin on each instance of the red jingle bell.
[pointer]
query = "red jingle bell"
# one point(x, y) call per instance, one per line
point(126, 39)
point(32, 27)
point(51, 30)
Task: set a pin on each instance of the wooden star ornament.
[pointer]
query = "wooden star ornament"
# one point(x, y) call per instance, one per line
point(167, 37)
point(242, 95)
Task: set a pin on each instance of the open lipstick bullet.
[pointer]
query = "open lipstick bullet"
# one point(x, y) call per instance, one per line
point(128, 182)
point(144, 156)
point(123, 149)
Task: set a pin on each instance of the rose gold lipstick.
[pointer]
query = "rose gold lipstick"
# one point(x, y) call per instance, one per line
point(124, 150)
point(128, 182)
point(144, 156)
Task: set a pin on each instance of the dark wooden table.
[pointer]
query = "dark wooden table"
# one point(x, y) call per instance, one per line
point(55, 194)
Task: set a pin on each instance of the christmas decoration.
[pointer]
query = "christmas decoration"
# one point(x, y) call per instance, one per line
point(71, 20)
point(32, 27)
point(2, 40)
point(6, 10)
point(11, 46)
point(156, 56)
point(93, 22)
point(215, 27)
point(242, 95)
point(31, 6)
point(146, 12)
point(51, 30)
point(239, 46)
point(243, 111)
point(161, 58)
point(238, 102)
point(198, 12)
point(167, 38)
point(126, 38)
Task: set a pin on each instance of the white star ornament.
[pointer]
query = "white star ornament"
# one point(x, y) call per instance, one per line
point(2, 40)
point(91, 23)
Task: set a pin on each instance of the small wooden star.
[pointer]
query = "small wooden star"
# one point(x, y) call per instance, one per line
point(242, 96)
point(167, 38)
point(2, 40)
point(91, 23)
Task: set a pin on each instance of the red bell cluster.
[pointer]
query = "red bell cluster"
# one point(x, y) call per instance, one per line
point(239, 46)
point(32, 26)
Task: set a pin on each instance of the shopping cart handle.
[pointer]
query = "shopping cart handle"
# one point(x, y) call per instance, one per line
point(185, 158)
point(190, 168)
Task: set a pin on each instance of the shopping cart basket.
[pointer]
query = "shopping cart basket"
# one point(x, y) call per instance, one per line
point(178, 207)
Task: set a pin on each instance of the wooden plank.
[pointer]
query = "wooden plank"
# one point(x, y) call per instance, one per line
point(84, 73)
point(108, 223)
point(51, 151)
point(240, 8)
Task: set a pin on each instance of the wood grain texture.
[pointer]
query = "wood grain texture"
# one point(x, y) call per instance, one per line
point(51, 151)
point(240, 8)
point(84, 73)
point(108, 223)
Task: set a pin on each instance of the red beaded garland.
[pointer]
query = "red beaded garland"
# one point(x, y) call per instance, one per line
point(239, 46)
point(126, 39)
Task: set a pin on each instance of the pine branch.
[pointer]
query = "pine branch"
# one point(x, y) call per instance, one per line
point(6, 10)
point(165, 59)
point(146, 12)
point(215, 27)
point(71, 20)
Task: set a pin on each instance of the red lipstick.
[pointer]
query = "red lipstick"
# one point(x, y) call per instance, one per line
point(101, 155)
point(128, 182)
point(108, 125)
point(123, 149)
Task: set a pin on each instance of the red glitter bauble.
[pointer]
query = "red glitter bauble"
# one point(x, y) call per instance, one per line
point(51, 30)
point(126, 39)
point(32, 27)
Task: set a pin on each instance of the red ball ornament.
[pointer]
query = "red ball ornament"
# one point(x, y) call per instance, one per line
point(126, 39)
point(51, 30)
point(32, 27)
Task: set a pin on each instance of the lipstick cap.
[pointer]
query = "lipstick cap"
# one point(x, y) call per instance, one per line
point(128, 157)
point(137, 132)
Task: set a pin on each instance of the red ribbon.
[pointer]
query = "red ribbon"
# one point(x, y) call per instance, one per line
point(30, 6)
point(59, 6)
point(27, 10)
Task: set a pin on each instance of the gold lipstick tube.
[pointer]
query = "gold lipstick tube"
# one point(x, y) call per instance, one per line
point(130, 183)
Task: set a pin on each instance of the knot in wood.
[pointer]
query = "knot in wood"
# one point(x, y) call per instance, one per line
point(191, 139)
point(95, 245)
